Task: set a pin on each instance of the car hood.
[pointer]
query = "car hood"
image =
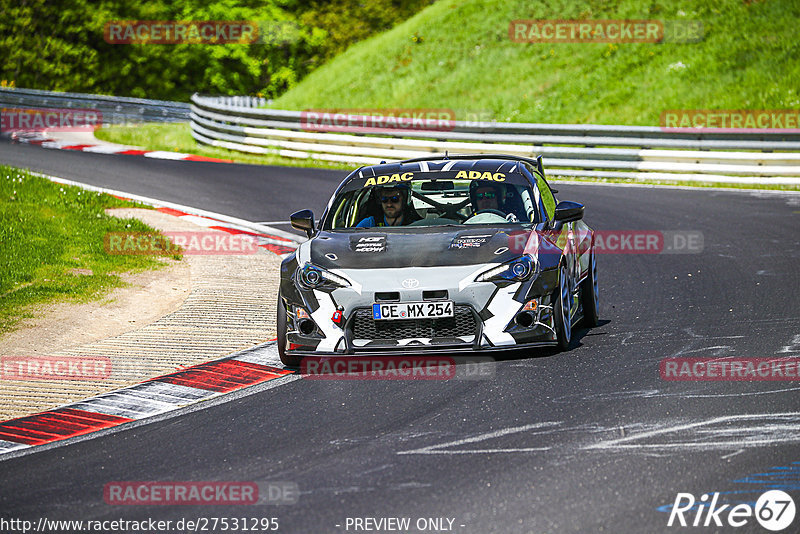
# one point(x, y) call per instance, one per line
point(420, 247)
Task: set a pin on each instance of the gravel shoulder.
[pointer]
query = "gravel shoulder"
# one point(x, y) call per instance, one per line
point(194, 310)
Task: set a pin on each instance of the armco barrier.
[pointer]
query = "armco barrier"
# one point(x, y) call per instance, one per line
point(115, 110)
point(569, 150)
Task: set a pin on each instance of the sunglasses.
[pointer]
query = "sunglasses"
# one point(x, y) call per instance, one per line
point(394, 199)
point(489, 194)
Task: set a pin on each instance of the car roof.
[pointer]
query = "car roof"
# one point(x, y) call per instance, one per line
point(473, 162)
point(505, 157)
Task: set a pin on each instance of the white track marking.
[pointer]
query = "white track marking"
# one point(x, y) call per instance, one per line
point(99, 149)
point(780, 433)
point(695, 344)
point(731, 455)
point(246, 225)
point(479, 451)
point(793, 346)
point(716, 348)
point(6, 446)
point(160, 154)
point(436, 449)
point(262, 355)
point(744, 394)
point(731, 432)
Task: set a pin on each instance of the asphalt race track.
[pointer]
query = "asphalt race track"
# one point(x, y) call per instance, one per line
point(588, 440)
point(251, 192)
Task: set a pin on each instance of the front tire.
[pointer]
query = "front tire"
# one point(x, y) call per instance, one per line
point(561, 311)
point(287, 359)
point(589, 295)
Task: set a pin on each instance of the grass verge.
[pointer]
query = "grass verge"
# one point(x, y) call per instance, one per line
point(51, 244)
point(458, 55)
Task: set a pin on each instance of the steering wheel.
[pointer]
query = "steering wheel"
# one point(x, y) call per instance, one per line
point(495, 212)
point(450, 211)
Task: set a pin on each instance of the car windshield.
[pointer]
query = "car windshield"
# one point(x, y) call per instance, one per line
point(433, 201)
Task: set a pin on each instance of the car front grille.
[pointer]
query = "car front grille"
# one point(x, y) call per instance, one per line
point(445, 329)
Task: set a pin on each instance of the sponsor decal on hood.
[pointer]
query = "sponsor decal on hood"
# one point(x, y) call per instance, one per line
point(368, 243)
point(418, 247)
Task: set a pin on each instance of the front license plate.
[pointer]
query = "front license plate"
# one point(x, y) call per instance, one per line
point(412, 310)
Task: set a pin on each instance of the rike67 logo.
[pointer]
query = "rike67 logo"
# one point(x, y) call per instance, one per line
point(774, 510)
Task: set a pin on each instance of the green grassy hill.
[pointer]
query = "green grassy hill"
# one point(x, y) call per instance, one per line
point(457, 54)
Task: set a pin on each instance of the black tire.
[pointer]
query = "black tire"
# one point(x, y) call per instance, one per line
point(561, 303)
point(287, 359)
point(589, 295)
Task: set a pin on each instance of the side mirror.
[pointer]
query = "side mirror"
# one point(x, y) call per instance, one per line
point(303, 220)
point(568, 211)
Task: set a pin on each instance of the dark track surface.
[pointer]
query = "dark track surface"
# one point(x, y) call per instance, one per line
point(251, 192)
point(341, 441)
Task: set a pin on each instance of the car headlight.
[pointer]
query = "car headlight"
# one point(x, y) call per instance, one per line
point(311, 277)
point(516, 270)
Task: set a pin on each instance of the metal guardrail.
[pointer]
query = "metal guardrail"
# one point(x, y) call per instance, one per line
point(599, 151)
point(115, 110)
point(239, 123)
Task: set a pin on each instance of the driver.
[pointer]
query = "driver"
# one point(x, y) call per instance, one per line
point(486, 196)
point(397, 210)
point(489, 196)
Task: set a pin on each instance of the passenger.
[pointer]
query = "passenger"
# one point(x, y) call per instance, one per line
point(397, 210)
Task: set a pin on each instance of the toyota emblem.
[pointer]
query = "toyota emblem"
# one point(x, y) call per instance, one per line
point(410, 283)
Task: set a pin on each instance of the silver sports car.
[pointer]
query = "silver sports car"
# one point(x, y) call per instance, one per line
point(448, 253)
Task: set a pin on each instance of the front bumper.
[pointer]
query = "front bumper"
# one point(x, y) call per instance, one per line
point(465, 332)
point(485, 317)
